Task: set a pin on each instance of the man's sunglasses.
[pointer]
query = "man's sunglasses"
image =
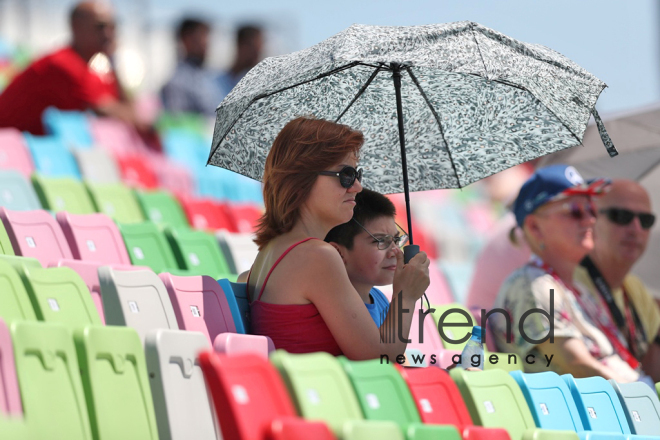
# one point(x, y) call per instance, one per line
point(347, 175)
point(623, 217)
point(386, 241)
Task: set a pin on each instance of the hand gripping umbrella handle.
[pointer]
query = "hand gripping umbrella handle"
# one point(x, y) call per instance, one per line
point(409, 251)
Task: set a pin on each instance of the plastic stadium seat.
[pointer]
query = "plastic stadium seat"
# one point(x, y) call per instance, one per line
point(14, 154)
point(428, 347)
point(147, 246)
point(181, 402)
point(198, 252)
point(236, 294)
point(245, 216)
point(16, 192)
point(384, 395)
point(186, 147)
point(160, 207)
point(207, 214)
point(114, 375)
point(51, 157)
point(115, 136)
point(199, 304)
point(136, 171)
point(10, 396)
point(439, 402)
point(641, 405)
point(93, 237)
point(5, 243)
point(49, 379)
point(242, 247)
point(361, 430)
point(97, 165)
point(14, 301)
point(291, 428)
point(35, 234)
point(70, 126)
point(217, 183)
point(495, 400)
point(248, 394)
point(136, 299)
point(236, 343)
point(63, 194)
point(116, 201)
point(172, 176)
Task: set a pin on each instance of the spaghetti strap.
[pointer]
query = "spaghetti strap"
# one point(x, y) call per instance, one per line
point(277, 262)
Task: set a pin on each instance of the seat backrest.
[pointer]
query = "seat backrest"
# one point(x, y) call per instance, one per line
point(598, 405)
point(319, 387)
point(16, 192)
point(70, 126)
point(437, 397)
point(114, 374)
point(206, 214)
point(549, 400)
point(14, 154)
point(114, 135)
point(236, 294)
point(49, 380)
point(5, 243)
point(63, 194)
point(494, 400)
point(173, 176)
point(199, 304)
point(14, 301)
point(428, 342)
point(58, 294)
point(198, 252)
point(136, 299)
point(181, 402)
point(136, 171)
point(93, 237)
point(35, 234)
point(454, 333)
point(245, 216)
point(641, 405)
point(147, 246)
point(97, 165)
point(51, 157)
point(116, 201)
point(160, 207)
point(243, 249)
point(247, 392)
point(237, 343)
point(381, 392)
point(10, 395)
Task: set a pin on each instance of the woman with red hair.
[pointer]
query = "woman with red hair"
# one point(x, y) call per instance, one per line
point(300, 293)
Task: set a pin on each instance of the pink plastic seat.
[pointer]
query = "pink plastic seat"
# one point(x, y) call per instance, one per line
point(10, 396)
point(35, 234)
point(172, 176)
point(236, 343)
point(116, 136)
point(199, 304)
point(14, 153)
point(439, 291)
point(93, 237)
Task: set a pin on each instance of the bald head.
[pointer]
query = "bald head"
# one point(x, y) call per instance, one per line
point(622, 190)
point(93, 28)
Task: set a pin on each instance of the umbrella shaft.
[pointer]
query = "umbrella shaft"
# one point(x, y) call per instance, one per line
point(396, 76)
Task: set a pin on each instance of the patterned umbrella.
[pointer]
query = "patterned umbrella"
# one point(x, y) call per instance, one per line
point(468, 101)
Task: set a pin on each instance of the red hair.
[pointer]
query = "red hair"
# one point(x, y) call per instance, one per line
point(304, 147)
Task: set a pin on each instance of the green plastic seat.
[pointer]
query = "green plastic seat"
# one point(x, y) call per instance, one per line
point(495, 400)
point(58, 294)
point(14, 300)
point(147, 246)
point(161, 208)
point(5, 243)
point(362, 430)
point(63, 194)
point(319, 387)
point(51, 389)
point(114, 376)
point(657, 388)
point(198, 252)
point(116, 201)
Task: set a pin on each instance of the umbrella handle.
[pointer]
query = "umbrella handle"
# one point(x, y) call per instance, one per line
point(409, 251)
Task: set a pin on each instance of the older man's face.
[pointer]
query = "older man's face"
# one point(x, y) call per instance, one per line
point(622, 242)
point(95, 29)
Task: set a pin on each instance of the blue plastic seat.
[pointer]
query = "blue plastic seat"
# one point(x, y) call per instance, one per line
point(236, 294)
point(641, 405)
point(51, 157)
point(70, 126)
point(16, 192)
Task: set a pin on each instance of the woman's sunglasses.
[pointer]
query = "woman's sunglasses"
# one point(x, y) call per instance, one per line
point(347, 175)
point(578, 211)
point(623, 217)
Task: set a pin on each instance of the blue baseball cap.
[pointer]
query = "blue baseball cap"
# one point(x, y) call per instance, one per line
point(550, 184)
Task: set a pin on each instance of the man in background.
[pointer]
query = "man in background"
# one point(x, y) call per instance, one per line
point(249, 51)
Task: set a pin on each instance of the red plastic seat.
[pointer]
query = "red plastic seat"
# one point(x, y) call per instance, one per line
point(207, 214)
point(14, 153)
point(439, 401)
point(290, 428)
point(245, 216)
point(10, 396)
point(136, 171)
point(93, 237)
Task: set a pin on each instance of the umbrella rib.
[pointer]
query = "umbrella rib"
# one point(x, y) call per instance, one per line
point(360, 92)
point(437, 119)
point(474, 37)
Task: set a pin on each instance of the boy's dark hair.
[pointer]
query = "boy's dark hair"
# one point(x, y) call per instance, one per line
point(370, 205)
point(189, 25)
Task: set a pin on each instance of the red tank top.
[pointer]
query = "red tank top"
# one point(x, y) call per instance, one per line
point(296, 328)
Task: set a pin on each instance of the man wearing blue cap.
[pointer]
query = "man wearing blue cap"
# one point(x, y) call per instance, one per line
point(542, 315)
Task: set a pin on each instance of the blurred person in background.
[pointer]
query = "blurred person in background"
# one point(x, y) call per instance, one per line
point(621, 233)
point(71, 78)
point(192, 88)
point(548, 315)
point(249, 51)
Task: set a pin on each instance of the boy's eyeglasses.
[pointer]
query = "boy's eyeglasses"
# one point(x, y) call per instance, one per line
point(623, 217)
point(386, 241)
point(347, 175)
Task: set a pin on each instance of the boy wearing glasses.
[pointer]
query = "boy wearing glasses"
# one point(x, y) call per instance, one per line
point(366, 245)
point(621, 234)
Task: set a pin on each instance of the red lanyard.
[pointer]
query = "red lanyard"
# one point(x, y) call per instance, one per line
point(632, 328)
point(607, 330)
